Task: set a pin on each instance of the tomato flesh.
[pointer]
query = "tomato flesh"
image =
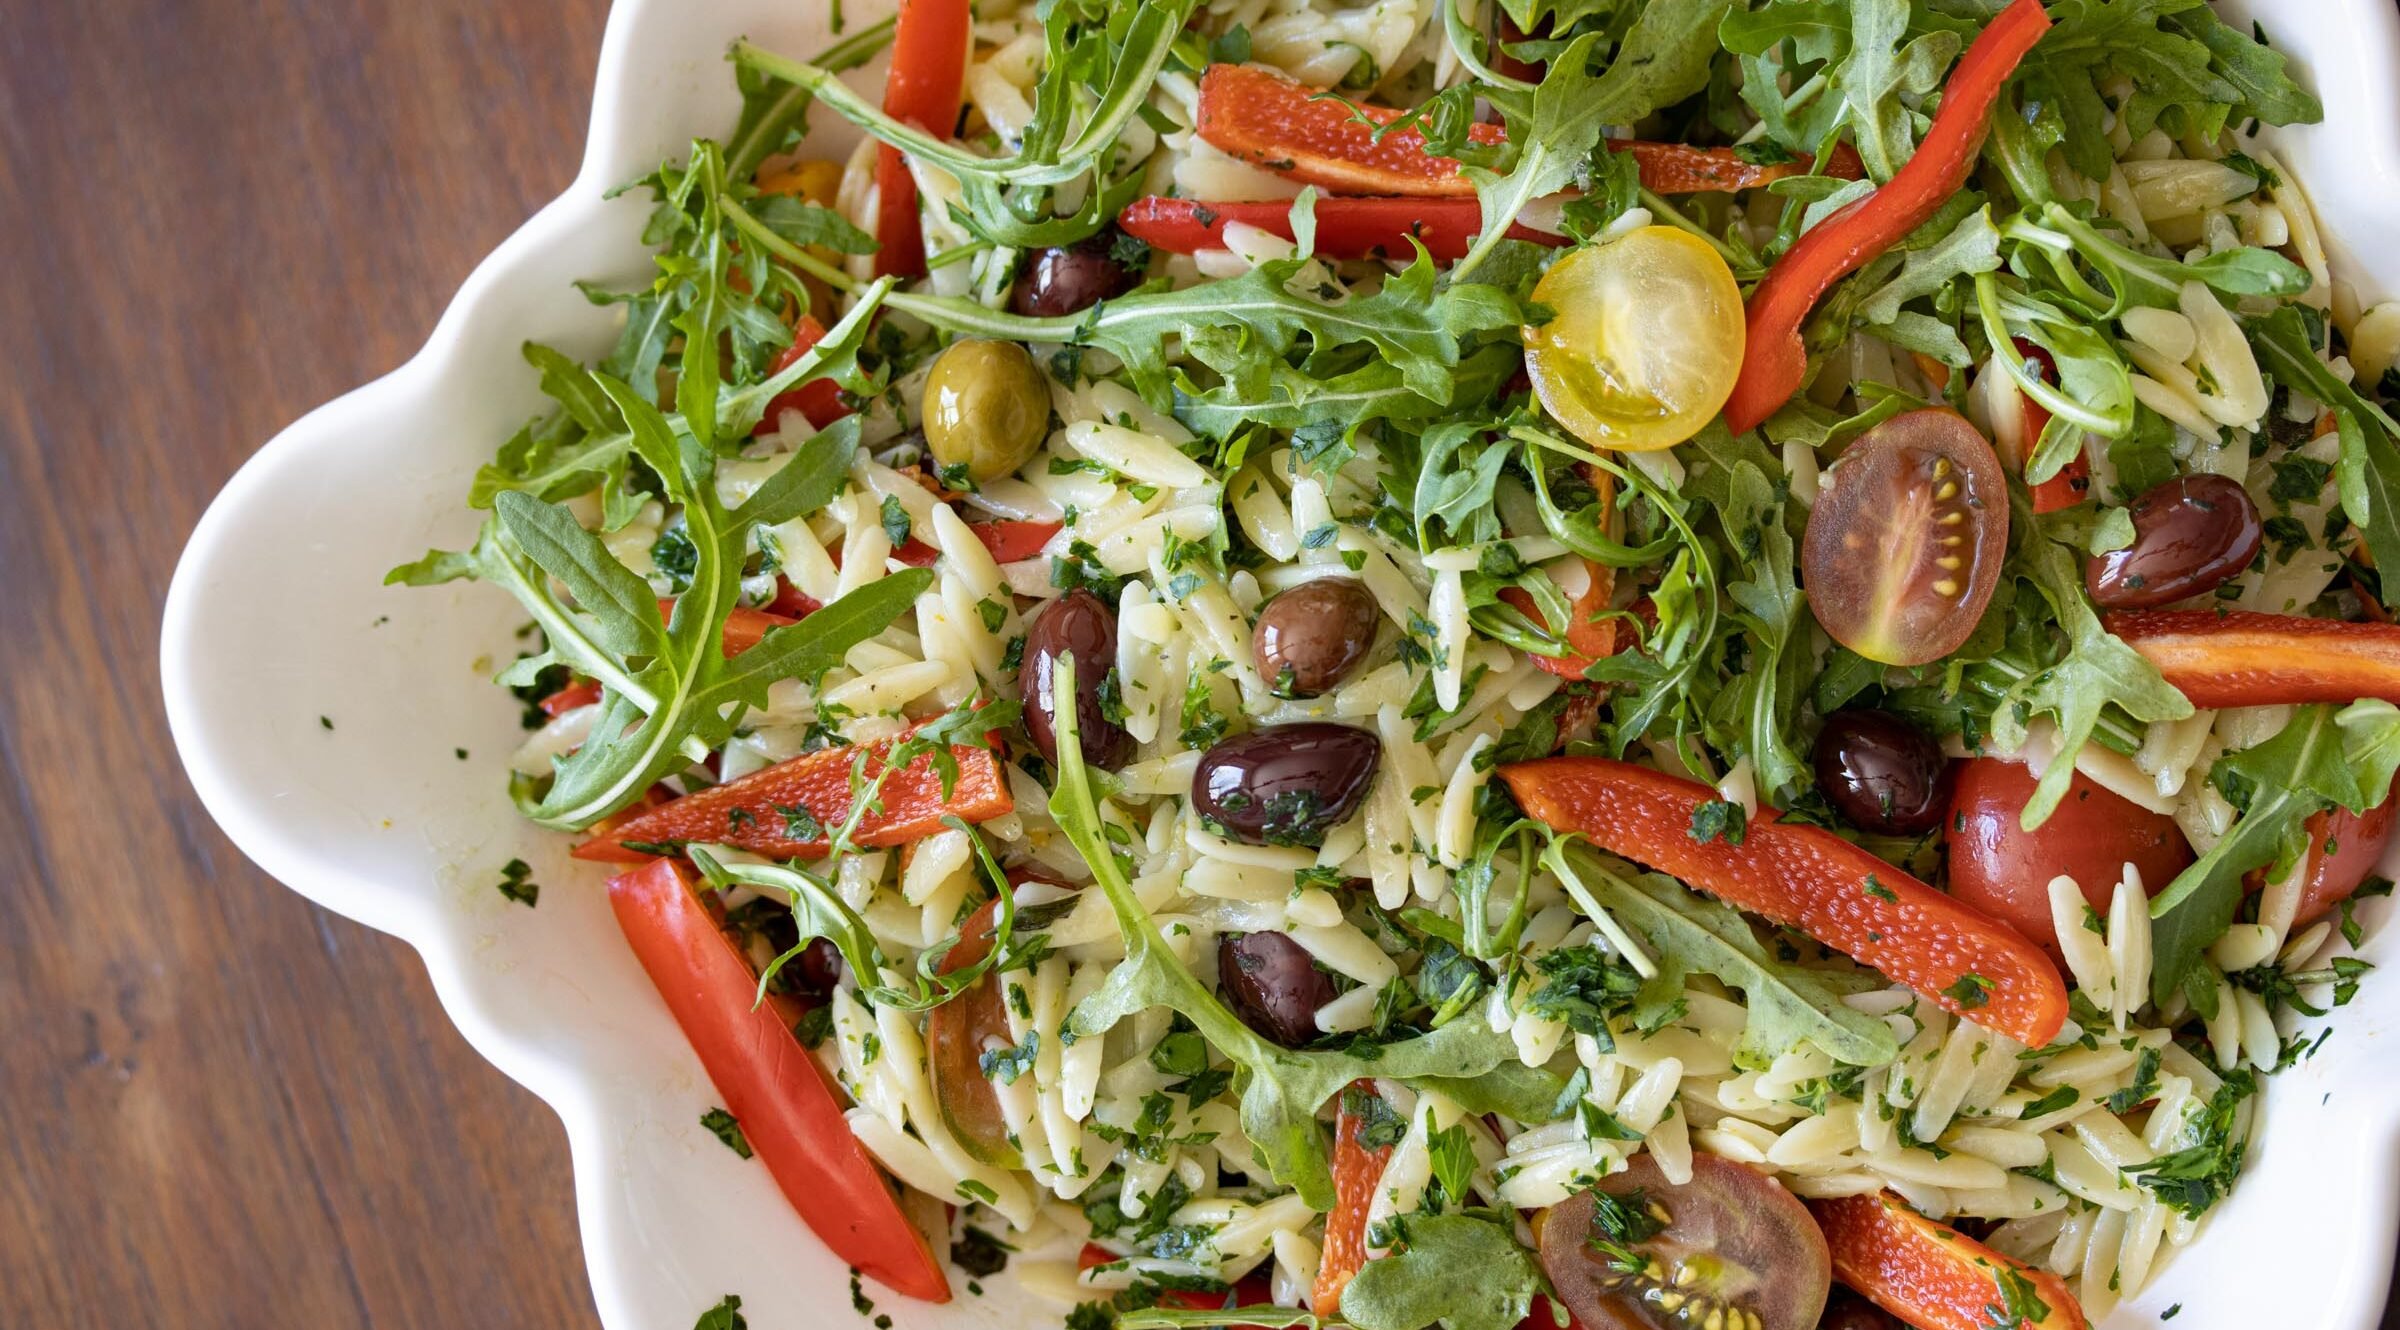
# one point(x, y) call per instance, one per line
point(2004, 870)
point(1645, 342)
point(1733, 1241)
point(1904, 550)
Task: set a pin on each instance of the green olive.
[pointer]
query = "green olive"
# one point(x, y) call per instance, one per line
point(987, 408)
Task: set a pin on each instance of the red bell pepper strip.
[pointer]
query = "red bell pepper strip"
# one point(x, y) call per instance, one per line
point(2074, 480)
point(818, 399)
point(791, 602)
point(930, 39)
point(744, 627)
point(955, 1035)
point(1935, 1277)
point(1357, 1171)
point(1281, 125)
point(1776, 361)
point(788, 1109)
point(2245, 659)
point(1810, 879)
point(756, 812)
point(1346, 228)
point(581, 693)
point(1589, 637)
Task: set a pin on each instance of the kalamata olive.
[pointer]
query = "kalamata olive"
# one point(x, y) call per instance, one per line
point(1068, 279)
point(1285, 784)
point(1273, 984)
point(1081, 624)
point(1882, 773)
point(987, 408)
point(820, 967)
point(1846, 1310)
point(2191, 535)
point(1310, 637)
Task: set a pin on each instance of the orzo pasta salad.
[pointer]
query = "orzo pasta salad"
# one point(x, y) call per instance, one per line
point(1691, 664)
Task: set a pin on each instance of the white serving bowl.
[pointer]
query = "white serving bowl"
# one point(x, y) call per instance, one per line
point(277, 616)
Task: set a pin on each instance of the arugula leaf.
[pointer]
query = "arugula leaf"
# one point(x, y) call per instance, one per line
point(1786, 1005)
point(1885, 65)
point(2369, 471)
point(1295, 399)
point(1421, 1286)
point(1281, 1089)
point(2304, 768)
point(1663, 59)
point(1972, 246)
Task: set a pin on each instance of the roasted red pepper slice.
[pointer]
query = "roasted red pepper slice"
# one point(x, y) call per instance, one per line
point(1589, 637)
point(1933, 1276)
point(581, 693)
point(2074, 480)
point(791, 602)
point(930, 39)
point(789, 1111)
point(1357, 1170)
point(1810, 879)
point(1346, 228)
point(818, 399)
point(955, 1034)
point(2241, 658)
point(758, 811)
point(1776, 362)
point(1282, 125)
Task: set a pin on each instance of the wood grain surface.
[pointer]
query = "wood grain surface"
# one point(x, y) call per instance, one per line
point(221, 1106)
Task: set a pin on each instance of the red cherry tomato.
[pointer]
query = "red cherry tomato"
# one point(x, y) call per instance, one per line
point(818, 399)
point(1735, 1249)
point(1904, 550)
point(2004, 870)
point(2344, 848)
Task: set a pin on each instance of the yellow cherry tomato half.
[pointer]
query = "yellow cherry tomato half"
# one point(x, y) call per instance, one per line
point(1645, 342)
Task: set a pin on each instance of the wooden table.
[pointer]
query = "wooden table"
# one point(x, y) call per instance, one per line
point(221, 1106)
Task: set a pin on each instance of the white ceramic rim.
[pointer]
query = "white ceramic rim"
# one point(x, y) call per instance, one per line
point(2352, 48)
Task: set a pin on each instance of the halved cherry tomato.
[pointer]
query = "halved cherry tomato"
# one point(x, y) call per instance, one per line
point(789, 1111)
point(930, 41)
point(956, 1034)
point(765, 811)
point(2238, 658)
point(1282, 125)
point(1347, 228)
point(820, 400)
point(1357, 1170)
point(1731, 1247)
point(1777, 360)
point(1935, 1277)
point(1810, 879)
point(1904, 549)
point(1012, 542)
point(1645, 341)
point(2004, 870)
point(2344, 848)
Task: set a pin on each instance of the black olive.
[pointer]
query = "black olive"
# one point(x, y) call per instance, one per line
point(820, 967)
point(1882, 773)
point(1285, 784)
point(1068, 279)
point(1081, 624)
point(1273, 984)
point(1310, 637)
point(2191, 535)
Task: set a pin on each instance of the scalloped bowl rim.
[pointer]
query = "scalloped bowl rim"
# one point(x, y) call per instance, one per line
point(358, 819)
